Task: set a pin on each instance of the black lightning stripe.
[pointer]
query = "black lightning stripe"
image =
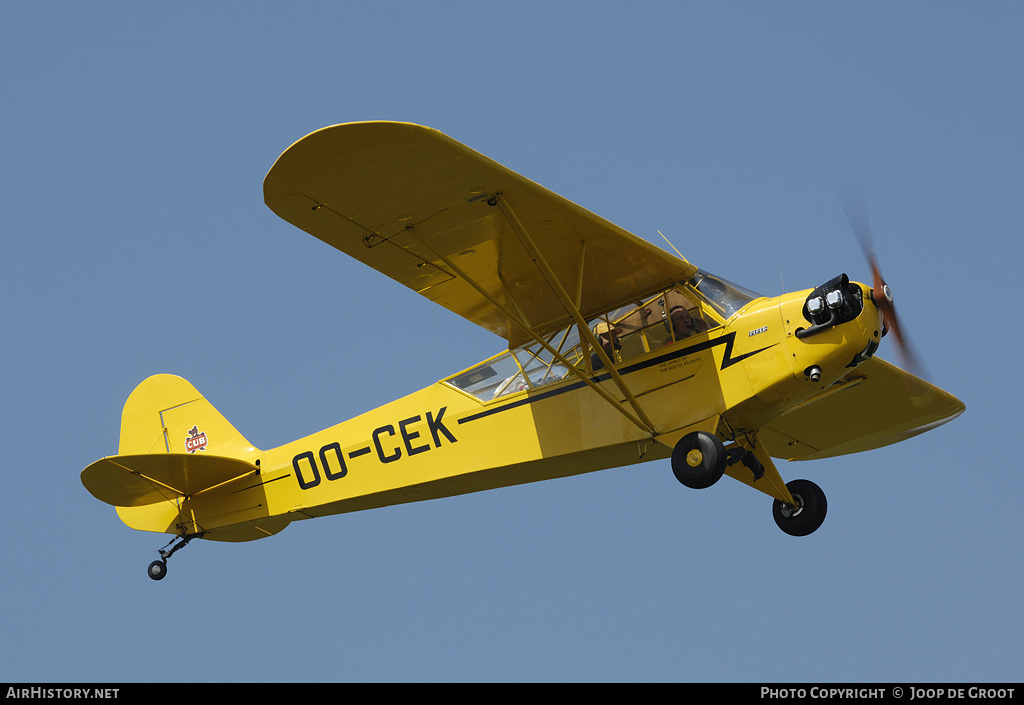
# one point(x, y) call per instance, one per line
point(728, 361)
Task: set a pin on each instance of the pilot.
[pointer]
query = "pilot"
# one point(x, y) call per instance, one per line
point(608, 336)
point(684, 324)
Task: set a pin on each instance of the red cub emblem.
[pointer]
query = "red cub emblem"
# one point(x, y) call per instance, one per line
point(196, 440)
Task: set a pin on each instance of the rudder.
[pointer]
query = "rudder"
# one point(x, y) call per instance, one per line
point(166, 414)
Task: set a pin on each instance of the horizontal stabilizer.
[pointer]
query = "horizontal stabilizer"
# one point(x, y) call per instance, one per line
point(139, 480)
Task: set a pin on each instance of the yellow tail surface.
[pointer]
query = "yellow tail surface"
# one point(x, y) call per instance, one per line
point(166, 414)
point(173, 444)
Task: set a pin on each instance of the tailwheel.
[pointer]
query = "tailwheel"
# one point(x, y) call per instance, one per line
point(158, 569)
point(698, 460)
point(806, 515)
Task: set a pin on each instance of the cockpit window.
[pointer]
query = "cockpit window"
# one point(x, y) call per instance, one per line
point(726, 298)
point(662, 320)
point(527, 367)
point(625, 333)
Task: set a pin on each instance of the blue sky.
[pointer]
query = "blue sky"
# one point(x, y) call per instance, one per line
point(135, 140)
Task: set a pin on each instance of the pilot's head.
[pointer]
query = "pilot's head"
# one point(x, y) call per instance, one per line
point(682, 321)
point(606, 330)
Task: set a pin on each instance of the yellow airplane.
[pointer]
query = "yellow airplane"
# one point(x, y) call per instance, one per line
point(618, 353)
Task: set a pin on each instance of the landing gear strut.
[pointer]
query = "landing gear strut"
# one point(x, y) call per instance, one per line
point(158, 569)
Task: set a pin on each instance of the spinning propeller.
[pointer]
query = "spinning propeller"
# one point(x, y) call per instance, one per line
point(856, 209)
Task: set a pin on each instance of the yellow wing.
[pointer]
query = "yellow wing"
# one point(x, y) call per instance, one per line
point(421, 208)
point(875, 405)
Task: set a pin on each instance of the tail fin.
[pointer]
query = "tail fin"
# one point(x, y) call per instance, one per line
point(166, 414)
point(173, 444)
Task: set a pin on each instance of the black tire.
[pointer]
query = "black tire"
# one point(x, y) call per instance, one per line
point(698, 460)
point(157, 570)
point(810, 511)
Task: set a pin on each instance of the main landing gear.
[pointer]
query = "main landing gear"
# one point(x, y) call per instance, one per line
point(699, 460)
point(806, 515)
point(158, 569)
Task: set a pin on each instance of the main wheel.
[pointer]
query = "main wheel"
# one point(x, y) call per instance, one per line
point(806, 515)
point(698, 460)
point(157, 570)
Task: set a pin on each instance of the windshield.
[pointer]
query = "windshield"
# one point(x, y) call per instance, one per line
point(727, 298)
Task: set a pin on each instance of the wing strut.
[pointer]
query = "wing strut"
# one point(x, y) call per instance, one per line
point(573, 310)
point(517, 319)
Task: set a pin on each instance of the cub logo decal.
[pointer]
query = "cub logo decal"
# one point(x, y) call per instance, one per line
point(196, 440)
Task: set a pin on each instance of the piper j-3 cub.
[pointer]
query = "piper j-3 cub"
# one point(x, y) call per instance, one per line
point(618, 352)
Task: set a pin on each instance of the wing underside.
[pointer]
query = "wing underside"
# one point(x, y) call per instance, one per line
point(449, 223)
point(875, 405)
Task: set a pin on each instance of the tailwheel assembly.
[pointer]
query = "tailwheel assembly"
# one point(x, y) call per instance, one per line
point(158, 569)
point(806, 514)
